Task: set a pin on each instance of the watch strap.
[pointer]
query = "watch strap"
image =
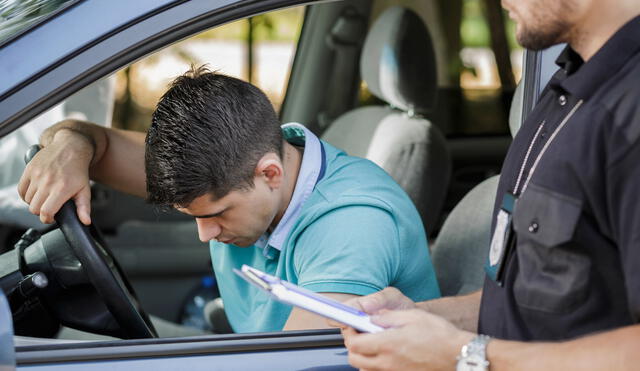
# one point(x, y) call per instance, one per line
point(476, 347)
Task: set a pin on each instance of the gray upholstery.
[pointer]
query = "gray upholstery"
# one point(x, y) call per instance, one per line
point(463, 243)
point(164, 328)
point(398, 65)
point(398, 61)
point(461, 248)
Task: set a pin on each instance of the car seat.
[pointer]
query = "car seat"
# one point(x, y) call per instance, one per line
point(398, 65)
point(461, 248)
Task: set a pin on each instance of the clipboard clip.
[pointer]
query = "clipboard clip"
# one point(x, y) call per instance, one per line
point(257, 278)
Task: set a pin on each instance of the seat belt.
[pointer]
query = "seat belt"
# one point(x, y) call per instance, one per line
point(345, 39)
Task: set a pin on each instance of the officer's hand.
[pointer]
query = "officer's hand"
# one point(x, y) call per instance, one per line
point(414, 340)
point(59, 172)
point(389, 299)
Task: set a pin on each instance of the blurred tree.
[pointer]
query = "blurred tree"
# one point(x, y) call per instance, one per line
point(450, 12)
point(265, 21)
point(128, 113)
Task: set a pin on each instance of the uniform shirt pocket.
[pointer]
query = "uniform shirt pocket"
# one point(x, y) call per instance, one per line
point(553, 273)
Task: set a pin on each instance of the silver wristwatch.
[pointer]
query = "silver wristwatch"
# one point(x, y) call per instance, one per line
point(473, 356)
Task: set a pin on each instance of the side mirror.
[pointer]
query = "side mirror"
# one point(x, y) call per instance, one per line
point(7, 351)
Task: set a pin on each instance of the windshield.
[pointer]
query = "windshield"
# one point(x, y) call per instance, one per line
point(18, 15)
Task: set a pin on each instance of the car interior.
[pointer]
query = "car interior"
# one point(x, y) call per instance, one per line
point(380, 79)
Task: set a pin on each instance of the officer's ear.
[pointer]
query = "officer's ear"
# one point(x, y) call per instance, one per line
point(270, 170)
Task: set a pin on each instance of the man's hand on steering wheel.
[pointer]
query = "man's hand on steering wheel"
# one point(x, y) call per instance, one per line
point(59, 172)
point(55, 177)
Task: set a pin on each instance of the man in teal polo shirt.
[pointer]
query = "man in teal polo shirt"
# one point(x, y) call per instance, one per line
point(278, 199)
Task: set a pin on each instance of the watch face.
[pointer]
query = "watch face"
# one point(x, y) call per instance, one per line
point(472, 362)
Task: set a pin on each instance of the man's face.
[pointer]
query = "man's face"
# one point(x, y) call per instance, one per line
point(238, 218)
point(542, 23)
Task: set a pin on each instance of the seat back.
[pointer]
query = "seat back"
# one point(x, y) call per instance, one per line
point(462, 246)
point(398, 65)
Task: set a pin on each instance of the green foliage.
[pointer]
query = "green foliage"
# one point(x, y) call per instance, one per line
point(283, 25)
point(474, 29)
point(511, 34)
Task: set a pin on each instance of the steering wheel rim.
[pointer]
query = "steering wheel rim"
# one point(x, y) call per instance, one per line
point(111, 285)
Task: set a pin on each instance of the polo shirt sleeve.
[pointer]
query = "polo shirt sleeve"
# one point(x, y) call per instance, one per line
point(623, 192)
point(352, 250)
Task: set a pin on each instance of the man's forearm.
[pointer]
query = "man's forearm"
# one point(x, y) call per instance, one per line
point(612, 350)
point(462, 311)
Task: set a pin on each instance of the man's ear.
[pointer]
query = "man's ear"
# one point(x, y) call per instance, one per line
point(270, 170)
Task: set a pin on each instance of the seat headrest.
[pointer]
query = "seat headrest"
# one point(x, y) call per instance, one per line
point(398, 61)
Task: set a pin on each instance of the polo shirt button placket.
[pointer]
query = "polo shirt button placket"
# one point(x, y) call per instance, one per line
point(533, 227)
point(562, 100)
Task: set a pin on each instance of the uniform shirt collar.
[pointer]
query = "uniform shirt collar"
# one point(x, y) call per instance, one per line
point(310, 172)
point(583, 79)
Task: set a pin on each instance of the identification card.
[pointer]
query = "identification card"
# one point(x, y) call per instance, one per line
point(497, 242)
point(502, 239)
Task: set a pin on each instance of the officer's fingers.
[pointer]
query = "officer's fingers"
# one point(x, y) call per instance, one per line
point(352, 303)
point(83, 205)
point(371, 303)
point(366, 344)
point(399, 318)
point(387, 298)
point(363, 362)
point(333, 323)
point(348, 332)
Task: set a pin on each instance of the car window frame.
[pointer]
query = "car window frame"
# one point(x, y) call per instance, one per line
point(209, 345)
point(87, 61)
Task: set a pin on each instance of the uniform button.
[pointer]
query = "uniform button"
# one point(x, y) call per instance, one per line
point(533, 227)
point(562, 100)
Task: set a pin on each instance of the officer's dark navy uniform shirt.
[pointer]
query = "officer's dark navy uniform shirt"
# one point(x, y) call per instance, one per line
point(575, 268)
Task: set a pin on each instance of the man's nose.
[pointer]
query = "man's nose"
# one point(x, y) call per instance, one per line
point(208, 229)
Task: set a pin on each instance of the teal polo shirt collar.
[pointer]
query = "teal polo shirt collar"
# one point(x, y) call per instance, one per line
point(311, 171)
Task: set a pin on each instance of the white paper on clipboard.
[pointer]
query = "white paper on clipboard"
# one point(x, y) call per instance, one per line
point(302, 298)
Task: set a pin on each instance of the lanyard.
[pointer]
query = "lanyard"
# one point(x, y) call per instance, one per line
point(504, 239)
point(544, 149)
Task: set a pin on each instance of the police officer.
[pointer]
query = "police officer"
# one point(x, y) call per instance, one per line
point(563, 279)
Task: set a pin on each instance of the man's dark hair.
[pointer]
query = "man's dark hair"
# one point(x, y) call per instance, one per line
point(207, 135)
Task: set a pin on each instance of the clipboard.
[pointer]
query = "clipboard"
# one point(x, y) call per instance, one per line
point(291, 294)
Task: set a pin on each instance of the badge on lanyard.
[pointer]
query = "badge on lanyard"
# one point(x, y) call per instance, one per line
point(503, 238)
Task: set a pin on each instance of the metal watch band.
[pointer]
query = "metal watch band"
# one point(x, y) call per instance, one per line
point(475, 349)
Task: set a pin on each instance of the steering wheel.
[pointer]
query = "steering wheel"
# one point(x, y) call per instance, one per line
point(102, 269)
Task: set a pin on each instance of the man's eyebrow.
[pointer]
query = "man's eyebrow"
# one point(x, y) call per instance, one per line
point(208, 215)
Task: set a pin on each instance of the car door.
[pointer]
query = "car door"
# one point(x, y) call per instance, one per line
point(35, 75)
